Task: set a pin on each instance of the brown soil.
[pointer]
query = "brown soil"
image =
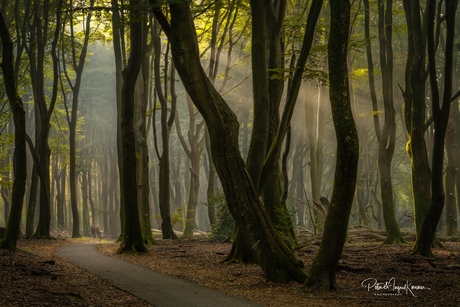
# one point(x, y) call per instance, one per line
point(34, 276)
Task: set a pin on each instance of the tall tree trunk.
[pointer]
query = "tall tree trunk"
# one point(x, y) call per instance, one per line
point(324, 266)
point(19, 156)
point(453, 154)
point(132, 234)
point(441, 111)
point(273, 192)
point(414, 113)
point(41, 151)
point(271, 159)
point(260, 126)
point(166, 126)
point(276, 260)
point(315, 133)
point(72, 119)
point(119, 52)
point(140, 128)
point(388, 133)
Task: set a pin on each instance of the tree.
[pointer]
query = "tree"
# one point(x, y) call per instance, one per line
point(166, 127)
point(132, 235)
point(120, 63)
point(140, 128)
point(415, 110)
point(37, 52)
point(387, 134)
point(194, 149)
point(19, 157)
point(275, 258)
point(453, 154)
point(441, 110)
point(324, 266)
point(77, 66)
point(267, 175)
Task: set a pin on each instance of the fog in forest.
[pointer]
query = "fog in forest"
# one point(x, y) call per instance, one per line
point(310, 162)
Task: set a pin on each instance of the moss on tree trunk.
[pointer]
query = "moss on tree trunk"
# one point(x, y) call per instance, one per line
point(274, 257)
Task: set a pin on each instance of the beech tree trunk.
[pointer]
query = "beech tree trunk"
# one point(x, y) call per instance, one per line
point(276, 260)
point(324, 266)
point(19, 156)
point(388, 133)
point(41, 151)
point(441, 110)
point(72, 118)
point(415, 110)
point(132, 235)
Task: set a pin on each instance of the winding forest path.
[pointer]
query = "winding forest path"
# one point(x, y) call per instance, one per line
point(156, 288)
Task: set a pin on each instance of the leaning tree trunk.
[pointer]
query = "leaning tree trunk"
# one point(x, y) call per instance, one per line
point(275, 258)
point(324, 266)
point(19, 156)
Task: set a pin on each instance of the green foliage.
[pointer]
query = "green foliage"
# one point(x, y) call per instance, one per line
point(225, 226)
point(177, 217)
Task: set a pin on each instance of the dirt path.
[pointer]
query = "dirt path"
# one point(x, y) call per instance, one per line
point(155, 288)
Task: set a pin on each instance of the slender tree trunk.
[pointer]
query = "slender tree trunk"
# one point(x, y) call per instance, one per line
point(324, 266)
point(32, 205)
point(60, 197)
point(140, 127)
point(441, 117)
point(192, 200)
point(119, 52)
point(211, 194)
point(414, 114)
point(166, 126)
point(453, 154)
point(41, 150)
point(194, 149)
point(388, 133)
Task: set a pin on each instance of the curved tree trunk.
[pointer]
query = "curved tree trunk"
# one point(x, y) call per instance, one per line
point(441, 117)
point(414, 100)
point(324, 266)
point(19, 156)
point(276, 260)
point(388, 133)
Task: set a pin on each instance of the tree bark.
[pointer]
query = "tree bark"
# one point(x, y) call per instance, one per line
point(324, 266)
point(276, 260)
point(72, 119)
point(132, 234)
point(415, 109)
point(441, 112)
point(388, 132)
point(19, 156)
point(119, 52)
point(41, 151)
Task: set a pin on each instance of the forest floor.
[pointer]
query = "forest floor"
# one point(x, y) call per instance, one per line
point(369, 274)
